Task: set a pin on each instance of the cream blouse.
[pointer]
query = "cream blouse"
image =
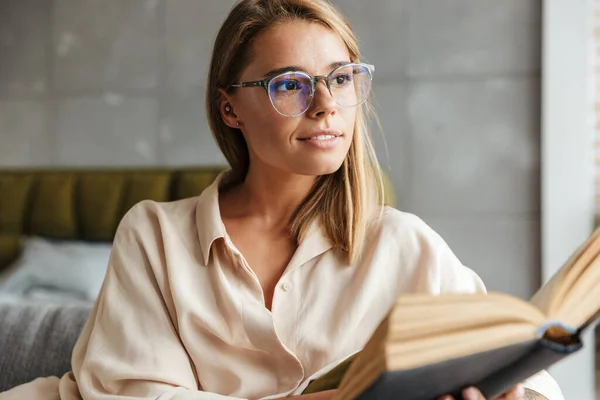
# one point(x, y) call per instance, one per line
point(181, 316)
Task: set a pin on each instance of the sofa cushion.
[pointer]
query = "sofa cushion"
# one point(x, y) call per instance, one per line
point(37, 340)
point(145, 186)
point(53, 213)
point(192, 183)
point(14, 198)
point(10, 247)
point(99, 204)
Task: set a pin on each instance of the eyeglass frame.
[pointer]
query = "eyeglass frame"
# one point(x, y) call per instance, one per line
point(264, 83)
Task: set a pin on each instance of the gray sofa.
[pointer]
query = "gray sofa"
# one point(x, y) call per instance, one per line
point(37, 340)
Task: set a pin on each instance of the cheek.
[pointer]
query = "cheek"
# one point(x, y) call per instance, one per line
point(266, 130)
point(261, 118)
point(255, 105)
point(257, 114)
point(349, 117)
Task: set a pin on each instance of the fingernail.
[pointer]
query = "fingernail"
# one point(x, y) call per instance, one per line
point(520, 391)
point(471, 394)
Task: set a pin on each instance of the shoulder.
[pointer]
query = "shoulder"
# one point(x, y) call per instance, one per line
point(404, 227)
point(148, 232)
point(409, 236)
point(149, 218)
point(418, 251)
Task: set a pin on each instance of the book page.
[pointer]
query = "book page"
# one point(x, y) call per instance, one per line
point(572, 296)
point(425, 315)
point(421, 327)
point(417, 321)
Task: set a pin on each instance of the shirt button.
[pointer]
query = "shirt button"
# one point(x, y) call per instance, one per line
point(286, 287)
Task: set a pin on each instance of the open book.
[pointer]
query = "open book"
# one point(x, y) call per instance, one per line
point(428, 346)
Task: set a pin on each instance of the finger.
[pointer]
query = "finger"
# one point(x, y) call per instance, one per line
point(472, 393)
point(516, 393)
point(446, 397)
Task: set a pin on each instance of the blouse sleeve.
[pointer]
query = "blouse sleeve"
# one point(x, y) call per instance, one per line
point(438, 269)
point(130, 347)
point(447, 274)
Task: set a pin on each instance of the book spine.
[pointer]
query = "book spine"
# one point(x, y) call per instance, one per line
point(542, 356)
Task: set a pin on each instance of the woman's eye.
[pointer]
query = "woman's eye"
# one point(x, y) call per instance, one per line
point(341, 79)
point(288, 85)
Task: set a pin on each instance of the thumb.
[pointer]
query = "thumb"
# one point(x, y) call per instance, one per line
point(516, 393)
point(472, 393)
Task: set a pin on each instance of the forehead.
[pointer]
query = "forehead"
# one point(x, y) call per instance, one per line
point(310, 45)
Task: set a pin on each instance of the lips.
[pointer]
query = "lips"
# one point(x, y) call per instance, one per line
point(321, 135)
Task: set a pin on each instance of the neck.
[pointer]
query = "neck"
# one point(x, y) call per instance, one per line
point(270, 195)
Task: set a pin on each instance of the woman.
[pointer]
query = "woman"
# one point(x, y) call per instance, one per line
point(267, 279)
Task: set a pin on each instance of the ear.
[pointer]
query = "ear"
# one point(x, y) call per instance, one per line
point(227, 111)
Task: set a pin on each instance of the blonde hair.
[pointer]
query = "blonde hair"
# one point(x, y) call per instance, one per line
point(343, 202)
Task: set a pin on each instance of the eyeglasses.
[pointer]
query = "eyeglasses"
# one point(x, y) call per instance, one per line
point(292, 93)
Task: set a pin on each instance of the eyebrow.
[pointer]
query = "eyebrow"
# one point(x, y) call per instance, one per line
point(290, 68)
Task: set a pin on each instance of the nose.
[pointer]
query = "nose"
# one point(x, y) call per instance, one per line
point(323, 104)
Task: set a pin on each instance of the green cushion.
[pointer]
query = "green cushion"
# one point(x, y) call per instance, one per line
point(53, 210)
point(88, 204)
point(14, 195)
point(192, 183)
point(99, 202)
point(145, 186)
point(10, 247)
point(332, 379)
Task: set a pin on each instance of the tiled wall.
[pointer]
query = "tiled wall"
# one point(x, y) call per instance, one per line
point(121, 82)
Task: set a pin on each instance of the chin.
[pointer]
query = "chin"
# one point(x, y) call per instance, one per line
point(317, 168)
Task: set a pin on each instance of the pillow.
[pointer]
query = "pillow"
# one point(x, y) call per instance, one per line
point(66, 268)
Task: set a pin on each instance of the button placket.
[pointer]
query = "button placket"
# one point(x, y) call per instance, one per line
point(262, 331)
point(285, 310)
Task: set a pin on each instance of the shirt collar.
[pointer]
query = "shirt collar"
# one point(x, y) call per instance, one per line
point(210, 228)
point(208, 217)
point(314, 243)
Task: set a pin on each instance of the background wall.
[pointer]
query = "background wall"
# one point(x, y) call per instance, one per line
point(107, 82)
point(568, 120)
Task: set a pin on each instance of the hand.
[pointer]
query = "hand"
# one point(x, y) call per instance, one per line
point(516, 393)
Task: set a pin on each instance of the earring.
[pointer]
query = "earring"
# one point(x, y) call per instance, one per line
point(228, 108)
point(237, 123)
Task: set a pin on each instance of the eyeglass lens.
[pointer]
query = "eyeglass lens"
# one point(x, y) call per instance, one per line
point(292, 93)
